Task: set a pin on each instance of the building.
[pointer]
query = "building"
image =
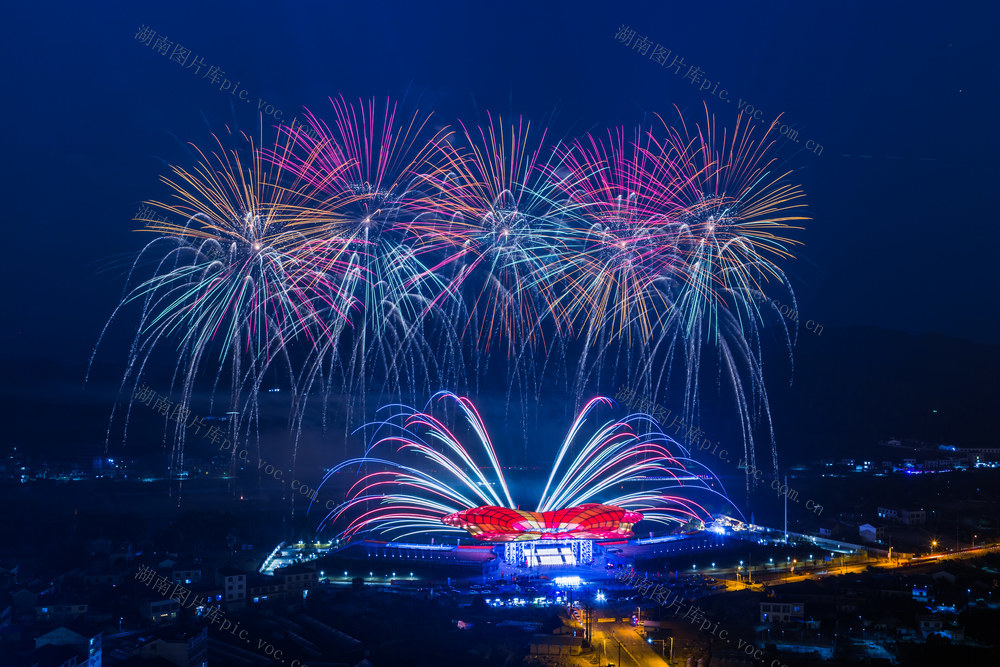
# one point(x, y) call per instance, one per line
point(85, 641)
point(234, 586)
point(186, 574)
point(53, 656)
point(207, 592)
point(121, 553)
point(887, 513)
point(182, 648)
point(871, 534)
point(945, 625)
point(266, 590)
point(26, 598)
point(106, 575)
point(556, 645)
point(830, 529)
point(298, 580)
point(781, 612)
point(161, 611)
point(909, 517)
point(47, 610)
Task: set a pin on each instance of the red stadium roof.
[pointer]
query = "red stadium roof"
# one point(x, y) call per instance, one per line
point(589, 522)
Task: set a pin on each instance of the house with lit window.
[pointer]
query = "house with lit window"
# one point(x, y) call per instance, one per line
point(871, 533)
point(782, 612)
point(49, 608)
point(185, 574)
point(160, 610)
point(82, 638)
point(887, 513)
point(299, 580)
point(234, 586)
point(265, 590)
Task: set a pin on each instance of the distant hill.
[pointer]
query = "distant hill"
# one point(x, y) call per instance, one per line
point(852, 387)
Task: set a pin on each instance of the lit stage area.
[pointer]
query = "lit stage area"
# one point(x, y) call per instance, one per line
point(539, 553)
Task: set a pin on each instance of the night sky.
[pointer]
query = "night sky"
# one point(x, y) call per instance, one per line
point(901, 97)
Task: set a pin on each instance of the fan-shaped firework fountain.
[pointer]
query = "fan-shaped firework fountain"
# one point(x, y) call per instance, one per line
point(422, 476)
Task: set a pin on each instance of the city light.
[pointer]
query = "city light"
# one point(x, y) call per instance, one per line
point(569, 582)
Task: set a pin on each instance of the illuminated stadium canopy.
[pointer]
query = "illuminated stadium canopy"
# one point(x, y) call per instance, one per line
point(590, 521)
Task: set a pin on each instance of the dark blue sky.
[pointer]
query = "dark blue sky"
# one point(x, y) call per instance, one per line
point(904, 239)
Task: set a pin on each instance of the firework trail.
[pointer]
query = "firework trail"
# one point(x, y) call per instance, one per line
point(420, 470)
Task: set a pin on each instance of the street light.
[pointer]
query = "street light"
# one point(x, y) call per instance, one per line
point(663, 646)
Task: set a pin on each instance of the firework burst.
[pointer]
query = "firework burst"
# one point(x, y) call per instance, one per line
point(373, 255)
point(495, 217)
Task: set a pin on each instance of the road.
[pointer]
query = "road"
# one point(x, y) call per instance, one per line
point(831, 569)
point(635, 651)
